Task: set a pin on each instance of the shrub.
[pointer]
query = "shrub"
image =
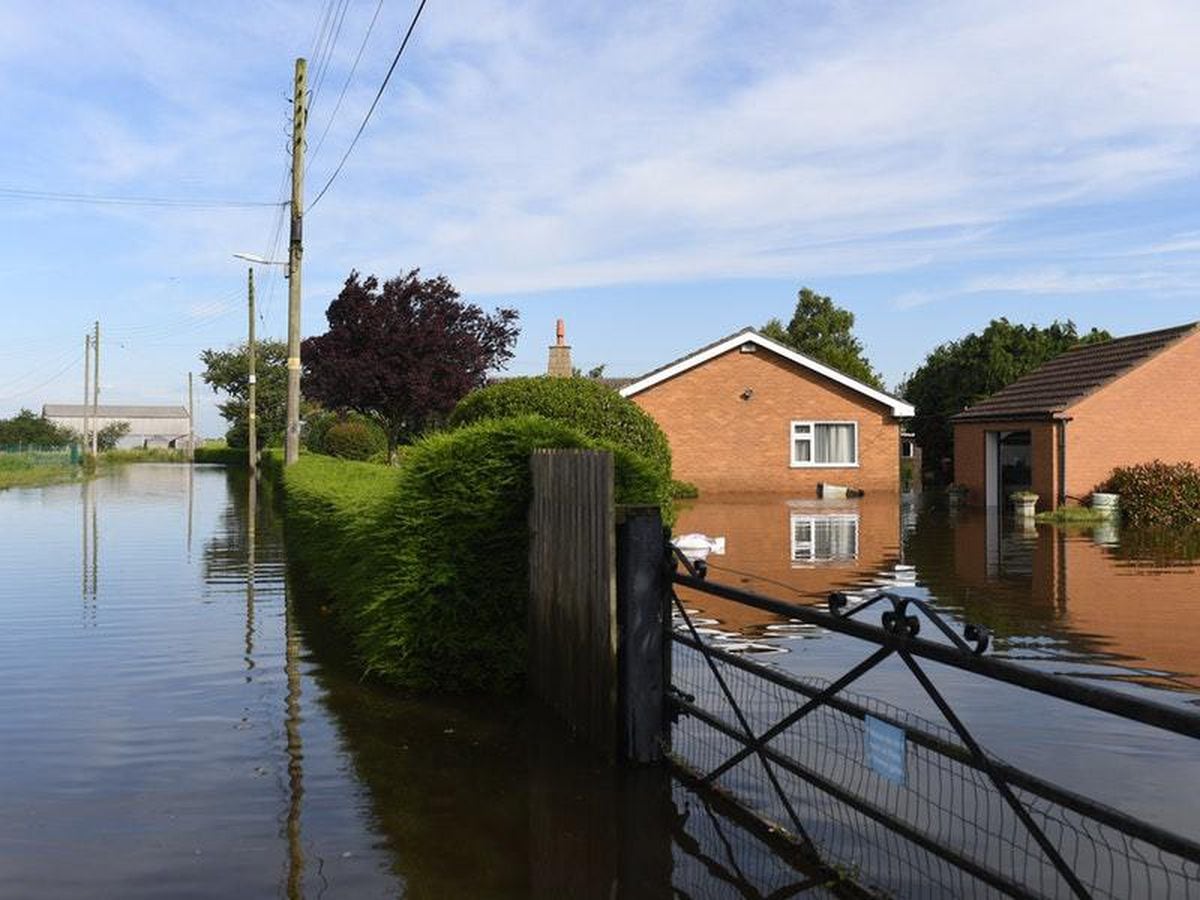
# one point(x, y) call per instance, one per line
point(428, 563)
point(354, 440)
point(684, 490)
point(595, 411)
point(1157, 493)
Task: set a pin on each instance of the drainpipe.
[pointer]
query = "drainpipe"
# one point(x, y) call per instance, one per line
point(1062, 461)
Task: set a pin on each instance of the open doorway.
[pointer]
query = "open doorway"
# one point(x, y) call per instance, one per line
point(1008, 465)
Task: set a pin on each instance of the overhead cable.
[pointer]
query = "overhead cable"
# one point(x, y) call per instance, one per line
point(367, 118)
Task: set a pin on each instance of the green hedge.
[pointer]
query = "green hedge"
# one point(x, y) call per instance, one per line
point(595, 411)
point(355, 440)
point(1157, 493)
point(427, 563)
point(227, 456)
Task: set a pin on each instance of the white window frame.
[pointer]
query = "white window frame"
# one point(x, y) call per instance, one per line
point(907, 443)
point(812, 432)
point(810, 546)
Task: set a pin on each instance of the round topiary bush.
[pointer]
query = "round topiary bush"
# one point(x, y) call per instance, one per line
point(354, 440)
point(445, 607)
point(589, 407)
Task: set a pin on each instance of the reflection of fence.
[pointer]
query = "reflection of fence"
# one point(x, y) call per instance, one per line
point(909, 806)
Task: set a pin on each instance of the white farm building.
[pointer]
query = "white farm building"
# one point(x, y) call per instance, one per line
point(149, 426)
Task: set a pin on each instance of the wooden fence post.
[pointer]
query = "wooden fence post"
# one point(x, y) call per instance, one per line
point(641, 633)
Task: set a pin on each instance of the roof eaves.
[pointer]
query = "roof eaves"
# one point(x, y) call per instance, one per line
point(899, 408)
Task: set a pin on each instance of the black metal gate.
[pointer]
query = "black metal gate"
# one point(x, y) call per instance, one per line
point(900, 804)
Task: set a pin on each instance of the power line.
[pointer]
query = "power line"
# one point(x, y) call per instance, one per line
point(57, 375)
point(116, 200)
point(345, 85)
point(382, 87)
point(321, 64)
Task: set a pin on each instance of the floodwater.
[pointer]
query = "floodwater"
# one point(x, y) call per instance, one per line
point(177, 721)
point(1118, 608)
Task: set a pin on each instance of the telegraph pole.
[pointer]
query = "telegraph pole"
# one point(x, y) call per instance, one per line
point(191, 423)
point(87, 392)
point(95, 388)
point(291, 451)
point(252, 418)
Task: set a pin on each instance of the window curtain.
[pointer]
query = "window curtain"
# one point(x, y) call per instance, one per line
point(835, 444)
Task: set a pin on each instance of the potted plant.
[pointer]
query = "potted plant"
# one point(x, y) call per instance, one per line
point(1024, 502)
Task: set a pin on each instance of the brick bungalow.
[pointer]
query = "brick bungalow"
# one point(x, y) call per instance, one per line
point(747, 414)
point(1060, 430)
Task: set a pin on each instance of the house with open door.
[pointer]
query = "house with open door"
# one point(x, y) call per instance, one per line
point(1060, 430)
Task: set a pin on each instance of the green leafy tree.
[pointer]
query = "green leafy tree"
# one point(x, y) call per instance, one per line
point(107, 437)
point(823, 330)
point(226, 372)
point(960, 373)
point(28, 429)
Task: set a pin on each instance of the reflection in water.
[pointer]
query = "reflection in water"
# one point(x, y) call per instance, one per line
point(1099, 595)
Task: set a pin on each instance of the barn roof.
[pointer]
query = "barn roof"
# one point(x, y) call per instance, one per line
point(750, 336)
point(77, 410)
point(1069, 377)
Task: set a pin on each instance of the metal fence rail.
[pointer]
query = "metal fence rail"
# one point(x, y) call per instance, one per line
point(951, 820)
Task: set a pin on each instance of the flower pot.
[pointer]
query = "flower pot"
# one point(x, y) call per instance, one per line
point(1105, 504)
point(1024, 504)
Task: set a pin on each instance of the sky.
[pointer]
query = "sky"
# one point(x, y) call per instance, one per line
point(658, 175)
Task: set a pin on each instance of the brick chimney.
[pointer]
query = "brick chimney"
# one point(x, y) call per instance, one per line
point(560, 355)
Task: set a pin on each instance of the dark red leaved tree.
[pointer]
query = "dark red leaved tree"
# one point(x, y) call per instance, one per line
point(404, 353)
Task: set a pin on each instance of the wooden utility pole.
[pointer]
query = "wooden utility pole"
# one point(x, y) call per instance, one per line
point(96, 388)
point(191, 452)
point(291, 447)
point(87, 388)
point(252, 417)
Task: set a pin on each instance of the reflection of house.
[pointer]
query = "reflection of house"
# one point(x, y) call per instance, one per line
point(798, 550)
point(1063, 428)
point(824, 538)
point(149, 426)
point(749, 414)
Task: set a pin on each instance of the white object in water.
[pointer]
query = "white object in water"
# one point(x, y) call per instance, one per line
point(699, 546)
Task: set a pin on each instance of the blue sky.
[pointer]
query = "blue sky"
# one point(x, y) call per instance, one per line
point(657, 174)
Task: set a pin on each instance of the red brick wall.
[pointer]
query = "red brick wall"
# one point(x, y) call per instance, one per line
point(1151, 413)
point(970, 459)
point(723, 443)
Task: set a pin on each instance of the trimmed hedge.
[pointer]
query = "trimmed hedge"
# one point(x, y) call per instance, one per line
point(1157, 493)
point(427, 564)
point(595, 411)
point(228, 456)
point(355, 440)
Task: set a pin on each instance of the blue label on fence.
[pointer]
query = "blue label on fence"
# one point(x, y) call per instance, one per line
point(886, 749)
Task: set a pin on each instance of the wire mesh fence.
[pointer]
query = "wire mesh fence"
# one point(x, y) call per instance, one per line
point(935, 817)
point(18, 456)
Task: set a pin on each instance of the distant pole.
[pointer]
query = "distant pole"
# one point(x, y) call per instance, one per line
point(191, 422)
point(252, 417)
point(87, 389)
point(291, 451)
point(96, 388)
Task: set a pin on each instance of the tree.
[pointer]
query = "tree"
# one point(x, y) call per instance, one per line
point(107, 437)
point(28, 429)
point(404, 352)
point(960, 373)
point(821, 329)
point(226, 371)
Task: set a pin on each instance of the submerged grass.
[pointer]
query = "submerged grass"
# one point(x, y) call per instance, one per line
point(19, 470)
point(1072, 515)
point(427, 564)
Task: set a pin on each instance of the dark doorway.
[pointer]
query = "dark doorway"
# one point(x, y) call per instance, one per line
point(1016, 473)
